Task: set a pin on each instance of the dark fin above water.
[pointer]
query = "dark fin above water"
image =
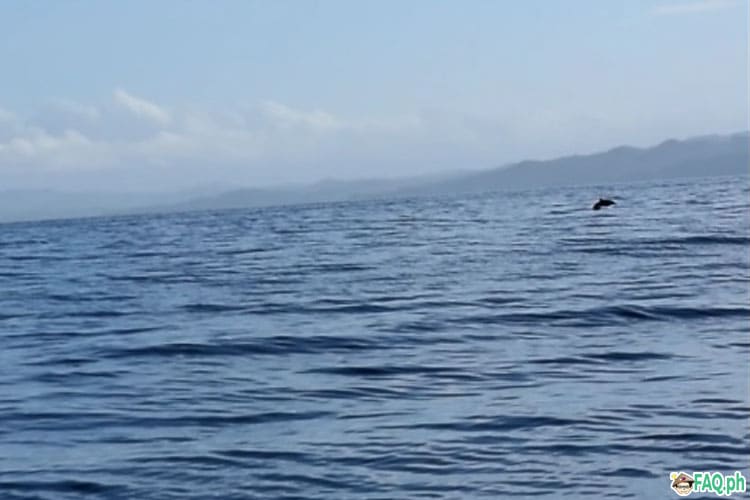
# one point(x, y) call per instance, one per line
point(603, 202)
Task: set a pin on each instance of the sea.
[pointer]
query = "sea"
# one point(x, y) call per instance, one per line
point(492, 345)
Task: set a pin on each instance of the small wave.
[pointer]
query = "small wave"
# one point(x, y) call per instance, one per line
point(690, 437)
point(702, 240)
point(154, 278)
point(261, 346)
point(78, 298)
point(189, 460)
point(105, 313)
point(339, 268)
point(600, 316)
point(320, 308)
point(266, 455)
point(715, 401)
point(564, 361)
point(628, 472)
point(318, 481)
point(211, 308)
point(385, 371)
point(62, 486)
point(630, 356)
point(38, 258)
point(497, 424)
point(4, 316)
point(89, 420)
point(649, 247)
point(247, 251)
point(596, 359)
point(145, 254)
point(24, 242)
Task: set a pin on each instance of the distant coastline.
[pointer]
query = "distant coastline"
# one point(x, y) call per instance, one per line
point(704, 156)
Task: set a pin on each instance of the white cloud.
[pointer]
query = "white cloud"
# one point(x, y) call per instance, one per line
point(69, 145)
point(42, 151)
point(286, 116)
point(141, 107)
point(267, 143)
point(694, 7)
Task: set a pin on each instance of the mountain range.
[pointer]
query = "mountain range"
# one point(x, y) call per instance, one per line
point(695, 157)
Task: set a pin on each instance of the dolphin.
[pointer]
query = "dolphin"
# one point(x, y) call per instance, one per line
point(603, 202)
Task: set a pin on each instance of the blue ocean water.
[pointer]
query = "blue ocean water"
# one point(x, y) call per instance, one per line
point(476, 346)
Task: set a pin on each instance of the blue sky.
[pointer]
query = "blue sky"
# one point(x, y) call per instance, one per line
point(179, 94)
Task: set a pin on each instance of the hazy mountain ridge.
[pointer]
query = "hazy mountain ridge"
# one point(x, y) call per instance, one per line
point(694, 157)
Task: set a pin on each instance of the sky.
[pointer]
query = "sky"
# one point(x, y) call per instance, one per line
point(178, 95)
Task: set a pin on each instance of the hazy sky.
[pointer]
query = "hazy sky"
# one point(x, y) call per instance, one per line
point(149, 95)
